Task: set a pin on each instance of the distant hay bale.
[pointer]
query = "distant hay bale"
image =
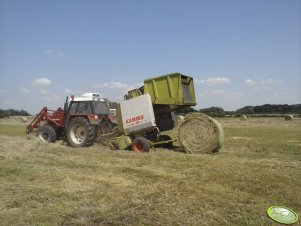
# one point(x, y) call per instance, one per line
point(23, 119)
point(243, 118)
point(288, 117)
point(200, 134)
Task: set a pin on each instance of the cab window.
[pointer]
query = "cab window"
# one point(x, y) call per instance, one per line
point(73, 108)
point(84, 108)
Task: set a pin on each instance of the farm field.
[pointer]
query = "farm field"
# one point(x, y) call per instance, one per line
point(53, 184)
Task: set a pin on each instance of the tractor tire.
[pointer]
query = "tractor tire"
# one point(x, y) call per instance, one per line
point(92, 141)
point(105, 128)
point(141, 144)
point(47, 134)
point(80, 133)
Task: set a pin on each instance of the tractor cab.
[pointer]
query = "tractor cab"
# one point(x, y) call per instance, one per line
point(90, 105)
point(93, 108)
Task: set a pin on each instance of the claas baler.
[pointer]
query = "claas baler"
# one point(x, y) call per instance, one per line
point(146, 117)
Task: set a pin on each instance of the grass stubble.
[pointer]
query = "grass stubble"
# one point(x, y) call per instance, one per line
point(53, 184)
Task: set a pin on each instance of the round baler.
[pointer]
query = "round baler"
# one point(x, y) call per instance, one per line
point(151, 112)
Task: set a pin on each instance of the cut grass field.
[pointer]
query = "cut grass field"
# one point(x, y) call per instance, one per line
point(53, 184)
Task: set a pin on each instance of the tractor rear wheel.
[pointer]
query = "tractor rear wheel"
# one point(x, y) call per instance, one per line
point(47, 134)
point(80, 133)
point(141, 144)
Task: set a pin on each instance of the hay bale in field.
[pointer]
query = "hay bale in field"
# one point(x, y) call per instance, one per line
point(200, 134)
point(288, 117)
point(23, 119)
point(180, 119)
point(243, 118)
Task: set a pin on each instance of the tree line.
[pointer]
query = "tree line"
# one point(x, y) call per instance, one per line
point(271, 109)
point(12, 112)
point(212, 111)
point(248, 110)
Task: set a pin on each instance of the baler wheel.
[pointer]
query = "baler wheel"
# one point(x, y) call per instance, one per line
point(141, 144)
point(46, 134)
point(80, 133)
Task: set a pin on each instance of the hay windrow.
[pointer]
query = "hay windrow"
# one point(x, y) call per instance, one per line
point(19, 147)
point(201, 134)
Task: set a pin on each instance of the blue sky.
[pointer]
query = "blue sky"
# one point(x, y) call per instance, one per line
point(239, 52)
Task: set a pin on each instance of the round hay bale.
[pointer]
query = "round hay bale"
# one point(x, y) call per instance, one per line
point(23, 119)
point(200, 134)
point(180, 119)
point(288, 117)
point(243, 118)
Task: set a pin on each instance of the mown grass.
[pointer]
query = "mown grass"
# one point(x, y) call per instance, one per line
point(53, 184)
point(12, 130)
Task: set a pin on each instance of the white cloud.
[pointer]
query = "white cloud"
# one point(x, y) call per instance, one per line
point(213, 81)
point(118, 86)
point(24, 90)
point(217, 81)
point(249, 82)
point(113, 85)
point(56, 53)
point(68, 91)
point(115, 91)
point(268, 84)
point(196, 81)
point(40, 82)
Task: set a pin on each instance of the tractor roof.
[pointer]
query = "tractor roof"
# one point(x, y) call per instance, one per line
point(89, 97)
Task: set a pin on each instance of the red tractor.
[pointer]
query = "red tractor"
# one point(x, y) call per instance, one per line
point(79, 123)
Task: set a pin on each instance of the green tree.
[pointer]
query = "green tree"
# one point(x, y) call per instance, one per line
point(213, 111)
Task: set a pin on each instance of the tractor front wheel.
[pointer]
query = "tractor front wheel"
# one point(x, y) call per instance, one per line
point(141, 144)
point(80, 133)
point(46, 134)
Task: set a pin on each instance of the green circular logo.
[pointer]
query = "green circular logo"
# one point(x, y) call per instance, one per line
point(282, 214)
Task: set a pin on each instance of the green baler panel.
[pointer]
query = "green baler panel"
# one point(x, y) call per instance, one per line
point(171, 89)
